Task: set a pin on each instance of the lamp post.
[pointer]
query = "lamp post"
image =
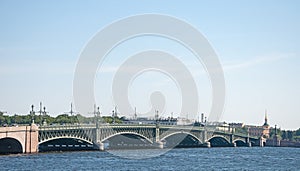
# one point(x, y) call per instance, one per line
point(44, 116)
point(156, 118)
point(32, 113)
point(97, 116)
point(41, 112)
point(114, 115)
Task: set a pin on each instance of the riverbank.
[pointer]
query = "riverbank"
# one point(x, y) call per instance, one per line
point(282, 143)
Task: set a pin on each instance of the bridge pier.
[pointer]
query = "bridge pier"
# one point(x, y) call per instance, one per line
point(248, 142)
point(31, 139)
point(159, 145)
point(262, 141)
point(157, 142)
point(99, 146)
point(233, 144)
point(206, 144)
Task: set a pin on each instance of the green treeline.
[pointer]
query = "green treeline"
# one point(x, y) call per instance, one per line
point(6, 120)
point(286, 134)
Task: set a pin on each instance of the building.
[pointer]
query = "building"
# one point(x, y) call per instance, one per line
point(260, 131)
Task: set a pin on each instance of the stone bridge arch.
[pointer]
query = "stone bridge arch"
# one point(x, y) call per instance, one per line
point(9, 145)
point(240, 142)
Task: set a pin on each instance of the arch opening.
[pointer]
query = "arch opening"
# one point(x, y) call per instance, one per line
point(254, 143)
point(10, 146)
point(65, 144)
point(127, 141)
point(181, 140)
point(240, 143)
point(219, 142)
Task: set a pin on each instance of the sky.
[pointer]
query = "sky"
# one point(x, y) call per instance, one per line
point(257, 43)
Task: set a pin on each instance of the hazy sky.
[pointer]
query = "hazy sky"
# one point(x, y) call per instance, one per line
point(257, 43)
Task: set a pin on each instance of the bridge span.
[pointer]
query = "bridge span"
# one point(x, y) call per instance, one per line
point(22, 139)
point(31, 139)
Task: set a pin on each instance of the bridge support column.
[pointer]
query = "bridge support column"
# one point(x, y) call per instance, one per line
point(231, 138)
point(31, 139)
point(159, 145)
point(204, 135)
point(261, 141)
point(233, 144)
point(157, 142)
point(206, 144)
point(157, 134)
point(248, 143)
point(99, 146)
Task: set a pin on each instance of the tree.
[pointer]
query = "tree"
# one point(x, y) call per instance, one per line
point(297, 132)
point(2, 119)
point(279, 132)
point(284, 135)
point(63, 119)
point(60, 119)
point(290, 135)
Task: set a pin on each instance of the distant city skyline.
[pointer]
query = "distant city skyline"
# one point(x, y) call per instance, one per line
point(257, 44)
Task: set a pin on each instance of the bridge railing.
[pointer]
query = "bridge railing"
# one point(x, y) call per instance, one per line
point(66, 126)
point(235, 134)
point(245, 135)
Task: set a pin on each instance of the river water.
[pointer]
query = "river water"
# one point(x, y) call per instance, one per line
point(254, 158)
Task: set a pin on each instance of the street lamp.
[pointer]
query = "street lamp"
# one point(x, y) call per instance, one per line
point(44, 116)
point(156, 117)
point(32, 113)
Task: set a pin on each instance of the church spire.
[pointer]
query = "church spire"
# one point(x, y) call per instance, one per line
point(266, 119)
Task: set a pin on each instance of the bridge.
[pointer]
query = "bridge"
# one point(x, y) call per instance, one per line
point(23, 139)
point(32, 139)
